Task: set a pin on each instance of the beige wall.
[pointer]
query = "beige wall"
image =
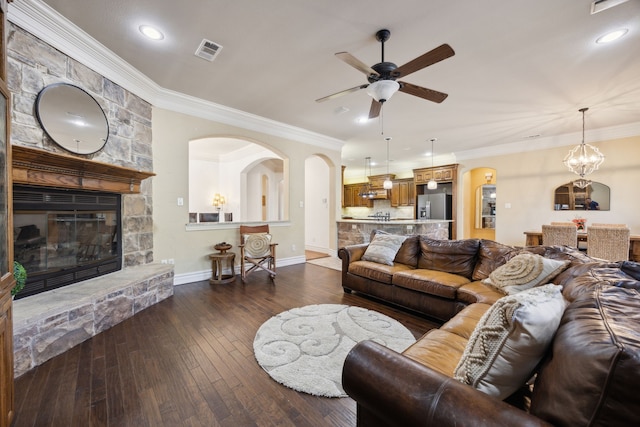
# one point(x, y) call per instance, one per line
point(189, 249)
point(527, 181)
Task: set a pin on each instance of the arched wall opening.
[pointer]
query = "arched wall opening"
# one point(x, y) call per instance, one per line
point(248, 175)
point(480, 196)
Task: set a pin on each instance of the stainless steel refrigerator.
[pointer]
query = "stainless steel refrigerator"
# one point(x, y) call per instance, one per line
point(434, 206)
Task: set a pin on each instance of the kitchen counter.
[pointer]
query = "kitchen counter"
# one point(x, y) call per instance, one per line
point(352, 231)
point(393, 220)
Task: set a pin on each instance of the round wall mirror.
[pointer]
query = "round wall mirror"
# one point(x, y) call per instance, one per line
point(72, 118)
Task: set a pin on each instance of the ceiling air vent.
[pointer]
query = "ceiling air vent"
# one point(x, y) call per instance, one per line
point(600, 5)
point(208, 50)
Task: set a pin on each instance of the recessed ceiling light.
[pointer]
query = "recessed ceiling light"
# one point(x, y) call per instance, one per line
point(612, 36)
point(362, 120)
point(151, 32)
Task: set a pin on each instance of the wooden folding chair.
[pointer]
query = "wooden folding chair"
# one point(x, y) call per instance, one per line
point(257, 250)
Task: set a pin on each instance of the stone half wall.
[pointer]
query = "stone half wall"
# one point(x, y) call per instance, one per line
point(32, 65)
point(50, 323)
point(353, 232)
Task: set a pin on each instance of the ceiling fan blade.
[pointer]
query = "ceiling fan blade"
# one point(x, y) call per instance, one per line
point(356, 63)
point(436, 55)
point(375, 109)
point(341, 93)
point(422, 92)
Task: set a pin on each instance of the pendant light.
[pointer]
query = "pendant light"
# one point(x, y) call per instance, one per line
point(432, 184)
point(366, 192)
point(387, 184)
point(583, 159)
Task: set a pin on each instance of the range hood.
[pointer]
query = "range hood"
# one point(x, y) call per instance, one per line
point(380, 194)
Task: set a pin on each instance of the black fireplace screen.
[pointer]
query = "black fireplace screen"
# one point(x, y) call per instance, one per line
point(63, 237)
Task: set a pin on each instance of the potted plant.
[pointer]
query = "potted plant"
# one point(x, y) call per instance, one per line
point(20, 274)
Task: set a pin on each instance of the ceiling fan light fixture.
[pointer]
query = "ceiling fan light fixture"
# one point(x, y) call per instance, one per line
point(383, 90)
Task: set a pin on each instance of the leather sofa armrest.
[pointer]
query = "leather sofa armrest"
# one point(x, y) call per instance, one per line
point(398, 391)
point(352, 253)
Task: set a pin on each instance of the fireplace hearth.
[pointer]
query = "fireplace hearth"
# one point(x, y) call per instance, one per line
point(65, 236)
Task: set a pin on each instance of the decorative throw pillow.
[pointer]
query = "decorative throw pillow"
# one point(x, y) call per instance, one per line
point(257, 245)
point(383, 248)
point(510, 340)
point(525, 271)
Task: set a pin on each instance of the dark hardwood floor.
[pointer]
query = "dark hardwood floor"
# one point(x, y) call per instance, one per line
point(188, 361)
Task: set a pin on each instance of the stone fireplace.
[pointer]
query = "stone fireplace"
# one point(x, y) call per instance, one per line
point(48, 323)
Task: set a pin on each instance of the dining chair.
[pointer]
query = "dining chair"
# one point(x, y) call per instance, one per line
point(598, 224)
point(257, 250)
point(608, 243)
point(563, 223)
point(564, 235)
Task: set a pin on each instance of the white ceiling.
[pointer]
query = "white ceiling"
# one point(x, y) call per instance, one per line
point(521, 71)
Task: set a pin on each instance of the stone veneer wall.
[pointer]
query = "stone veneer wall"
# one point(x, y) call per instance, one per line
point(32, 65)
point(353, 232)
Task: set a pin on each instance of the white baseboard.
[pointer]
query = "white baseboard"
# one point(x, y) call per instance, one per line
point(198, 276)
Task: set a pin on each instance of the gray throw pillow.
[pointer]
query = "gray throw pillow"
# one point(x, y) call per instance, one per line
point(383, 248)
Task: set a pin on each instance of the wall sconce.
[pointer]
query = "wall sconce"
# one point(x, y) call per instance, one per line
point(218, 201)
point(488, 177)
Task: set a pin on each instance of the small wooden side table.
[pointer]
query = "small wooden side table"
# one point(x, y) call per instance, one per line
point(220, 262)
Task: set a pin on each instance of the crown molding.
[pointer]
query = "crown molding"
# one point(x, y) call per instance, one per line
point(49, 26)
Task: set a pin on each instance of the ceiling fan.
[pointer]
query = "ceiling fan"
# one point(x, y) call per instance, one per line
point(382, 76)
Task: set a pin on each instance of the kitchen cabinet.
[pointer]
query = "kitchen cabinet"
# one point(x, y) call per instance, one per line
point(377, 181)
point(351, 197)
point(403, 193)
point(440, 174)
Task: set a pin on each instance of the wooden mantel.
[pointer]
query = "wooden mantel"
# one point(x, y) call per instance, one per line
point(38, 167)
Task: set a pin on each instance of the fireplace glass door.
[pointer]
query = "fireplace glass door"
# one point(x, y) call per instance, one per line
point(65, 237)
point(62, 240)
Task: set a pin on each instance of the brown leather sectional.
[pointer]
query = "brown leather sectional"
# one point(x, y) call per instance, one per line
point(590, 376)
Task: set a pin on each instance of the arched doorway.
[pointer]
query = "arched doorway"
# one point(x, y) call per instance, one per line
point(481, 195)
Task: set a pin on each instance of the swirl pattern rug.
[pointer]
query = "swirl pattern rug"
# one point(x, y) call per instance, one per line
point(305, 348)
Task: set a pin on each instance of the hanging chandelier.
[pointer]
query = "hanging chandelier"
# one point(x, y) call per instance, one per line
point(432, 184)
point(387, 184)
point(366, 192)
point(583, 159)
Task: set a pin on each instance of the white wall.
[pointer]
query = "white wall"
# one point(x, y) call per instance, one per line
point(190, 249)
point(204, 184)
point(317, 195)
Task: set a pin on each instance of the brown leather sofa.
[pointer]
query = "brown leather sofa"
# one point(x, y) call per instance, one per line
point(437, 278)
point(590, 376)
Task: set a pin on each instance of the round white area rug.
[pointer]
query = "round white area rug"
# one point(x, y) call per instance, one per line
point(305, 348)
